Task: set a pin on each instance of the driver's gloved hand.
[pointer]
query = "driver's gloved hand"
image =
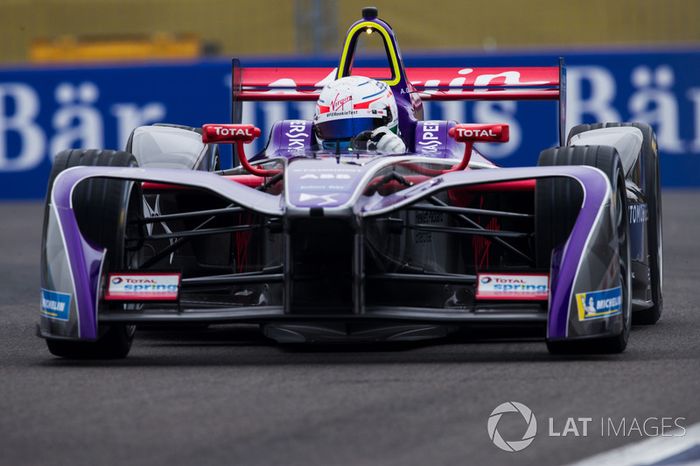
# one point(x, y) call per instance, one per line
point(384, 140)
point(360, 141)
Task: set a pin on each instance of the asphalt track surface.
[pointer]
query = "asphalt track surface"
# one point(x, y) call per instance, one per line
point(228, 396)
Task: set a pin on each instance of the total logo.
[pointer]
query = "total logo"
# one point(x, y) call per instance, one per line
point(134, 281)
point(516, 281)
point(224, 131)
point(477, 133)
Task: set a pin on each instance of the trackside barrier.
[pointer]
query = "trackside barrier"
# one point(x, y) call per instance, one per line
point(44, 110)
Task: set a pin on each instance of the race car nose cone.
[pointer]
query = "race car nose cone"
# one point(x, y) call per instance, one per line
point(370, 12)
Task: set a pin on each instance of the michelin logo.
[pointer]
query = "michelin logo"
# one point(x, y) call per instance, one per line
point(55, 305)
point(599, 304)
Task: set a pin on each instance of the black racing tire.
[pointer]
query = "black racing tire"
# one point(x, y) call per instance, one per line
point(557, 204)
point(114, 343)
point(652, 194)
point(104, 210)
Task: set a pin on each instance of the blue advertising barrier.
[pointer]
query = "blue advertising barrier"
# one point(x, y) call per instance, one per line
point(45, 110)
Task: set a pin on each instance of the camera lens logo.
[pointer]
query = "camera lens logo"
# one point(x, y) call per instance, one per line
point(512, 445)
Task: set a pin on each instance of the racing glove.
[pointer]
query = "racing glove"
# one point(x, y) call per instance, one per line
point(384, 140)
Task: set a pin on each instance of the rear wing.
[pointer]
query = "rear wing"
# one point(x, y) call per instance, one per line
point(430, 84)
point(305, 84)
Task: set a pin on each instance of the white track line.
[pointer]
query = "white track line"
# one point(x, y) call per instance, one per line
point(647, 451)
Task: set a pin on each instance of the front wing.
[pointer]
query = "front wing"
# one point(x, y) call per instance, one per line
point(587, 263)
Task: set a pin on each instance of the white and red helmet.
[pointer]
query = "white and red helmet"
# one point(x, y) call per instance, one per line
point(351, 105)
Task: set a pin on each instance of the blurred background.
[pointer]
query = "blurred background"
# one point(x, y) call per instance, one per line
point(59, 30)
point(83, 73)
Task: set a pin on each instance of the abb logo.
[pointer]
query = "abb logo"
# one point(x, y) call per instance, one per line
point(220, 133)
point(480, 133)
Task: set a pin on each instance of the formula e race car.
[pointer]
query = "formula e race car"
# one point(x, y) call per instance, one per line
point(329, 245)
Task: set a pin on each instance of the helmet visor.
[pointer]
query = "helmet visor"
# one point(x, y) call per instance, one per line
point(346, 128)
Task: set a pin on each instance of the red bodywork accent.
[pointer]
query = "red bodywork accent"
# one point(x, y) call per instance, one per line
point(251, 181)
point(436, 95)
point(394, 186)
point(520, 185)
point(482, 245)
point(242, 240)
point(239, 135)
point(513, 83)
point(228, 134)
point(471, 133)
point(491, 94)
point(455, 193)
point(250, 168)
point(153, 186)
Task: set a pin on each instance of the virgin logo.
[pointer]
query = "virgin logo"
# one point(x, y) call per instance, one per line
point(337, 103)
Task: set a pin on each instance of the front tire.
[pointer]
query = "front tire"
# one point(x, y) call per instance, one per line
point(558, 202)
point(115, 343)
point(104, 210)
point(652, 193)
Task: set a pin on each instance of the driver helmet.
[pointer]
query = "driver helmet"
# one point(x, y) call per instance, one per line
point(350, 106)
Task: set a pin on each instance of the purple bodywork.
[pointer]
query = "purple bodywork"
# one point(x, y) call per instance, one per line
point(85, 260)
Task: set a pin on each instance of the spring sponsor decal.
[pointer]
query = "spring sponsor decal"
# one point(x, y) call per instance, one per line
point(55, 305)
point(599, 304)
point(512, 286)
point(143, 287)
